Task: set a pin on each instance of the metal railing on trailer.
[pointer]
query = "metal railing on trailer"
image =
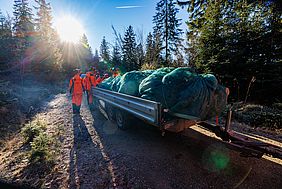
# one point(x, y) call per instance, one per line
point(147, 110)
point(120, 106)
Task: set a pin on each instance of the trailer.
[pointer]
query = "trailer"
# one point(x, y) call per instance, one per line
point(124, 109)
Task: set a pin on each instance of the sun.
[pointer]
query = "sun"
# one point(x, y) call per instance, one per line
point(69, 29)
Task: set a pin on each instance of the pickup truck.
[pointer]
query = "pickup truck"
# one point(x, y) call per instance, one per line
point(124, 109)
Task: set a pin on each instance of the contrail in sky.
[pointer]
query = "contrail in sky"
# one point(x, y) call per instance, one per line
point(128, 7)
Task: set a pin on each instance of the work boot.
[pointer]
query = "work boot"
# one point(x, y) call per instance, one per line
point(91, 107)
point(78, 109)
point(73, 108)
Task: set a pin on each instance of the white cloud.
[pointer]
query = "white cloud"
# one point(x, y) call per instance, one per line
point(128, 7)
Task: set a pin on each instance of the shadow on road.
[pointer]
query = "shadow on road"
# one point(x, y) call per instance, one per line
point(81, 135)
point(4, 185)
point(175, 161)
point(90, 167)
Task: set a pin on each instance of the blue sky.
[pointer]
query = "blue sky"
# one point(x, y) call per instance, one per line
point(97, 16)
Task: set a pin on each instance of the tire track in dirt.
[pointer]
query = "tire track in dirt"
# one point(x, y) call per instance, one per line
point(83, 161)
point(96, 154)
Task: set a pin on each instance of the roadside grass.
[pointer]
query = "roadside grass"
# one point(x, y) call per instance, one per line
point(38, 152)
point(42, 146)
point(33, 129)
point(277, 106)
point(267, 117)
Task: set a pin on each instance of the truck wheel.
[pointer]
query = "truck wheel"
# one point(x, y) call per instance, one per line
point(111, 113)
point(122, 119)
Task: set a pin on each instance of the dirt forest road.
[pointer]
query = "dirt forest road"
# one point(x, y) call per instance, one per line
point(101, 156)
point(95, 154)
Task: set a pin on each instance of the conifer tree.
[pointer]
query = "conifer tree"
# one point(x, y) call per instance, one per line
point(43, 22)
point(140, 55)
point(6, 39)
point(167, 27)
point(149, 49)
point(104, 50)
point(153, 50)
point(96, 58)
point(116, 56)
point(158, 60)
point(226, 37)
point(85, 43)
point(129, 55)
point(23, 26)
point(5, 25)
point(85, 51)
point(48, 56)
point(23, 23)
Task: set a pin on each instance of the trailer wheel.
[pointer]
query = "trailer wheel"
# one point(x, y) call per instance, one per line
point(111, 113)
point(122, 119)
point(96, 105)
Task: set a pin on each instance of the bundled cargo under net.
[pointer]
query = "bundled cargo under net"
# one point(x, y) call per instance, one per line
point(181, 90)
point(151, 87)
point(115, 84)
point(106, 84)
point(129, 82)
point(193, 94)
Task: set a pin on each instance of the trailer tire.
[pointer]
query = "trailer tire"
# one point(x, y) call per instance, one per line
point(111, 113)
point(96, 104)
point(122, 119)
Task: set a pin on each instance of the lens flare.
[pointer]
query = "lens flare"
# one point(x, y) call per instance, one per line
point(69, 29)
point(216, 158)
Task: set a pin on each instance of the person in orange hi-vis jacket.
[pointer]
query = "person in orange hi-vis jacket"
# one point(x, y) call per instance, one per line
point(115, 72)
point(93, 77)
point(98, 78)
point(101, 79)
point(76, 88)
point(88, 83)
point(93, 84)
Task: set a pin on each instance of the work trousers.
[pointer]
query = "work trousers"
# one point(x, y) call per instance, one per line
point(76, 102)
point(90, 99)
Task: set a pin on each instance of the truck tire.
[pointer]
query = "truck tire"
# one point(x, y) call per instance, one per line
point(123, 119)
point(111, 113)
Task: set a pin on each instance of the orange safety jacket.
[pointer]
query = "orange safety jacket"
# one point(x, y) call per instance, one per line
point(76, 89)
point(76, 85)
point(99, 80)
point(93, 80)
point(115, 74)
point(87, 81)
